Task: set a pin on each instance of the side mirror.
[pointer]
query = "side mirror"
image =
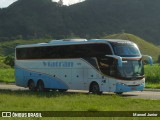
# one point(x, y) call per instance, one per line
point(148, 58)
point(116, 57)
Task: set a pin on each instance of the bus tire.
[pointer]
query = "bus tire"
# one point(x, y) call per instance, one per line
point(40, 86)
point(62, 90)
point(31, 85)
point(119, 93)
point(94, 88)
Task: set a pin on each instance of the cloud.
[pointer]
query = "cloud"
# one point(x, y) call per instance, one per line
point(6, 3)
point(69, 2)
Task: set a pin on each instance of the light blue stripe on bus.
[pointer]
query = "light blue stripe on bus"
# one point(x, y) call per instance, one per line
point(23, 75)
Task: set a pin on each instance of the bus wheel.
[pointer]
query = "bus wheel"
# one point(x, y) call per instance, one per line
point(119, 93)
point(94, 88)
point(31, 85)
point(40, 86)
point(62, 90)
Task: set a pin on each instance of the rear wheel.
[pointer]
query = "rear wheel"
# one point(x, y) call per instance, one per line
point(94, 88)
point(62, 90)
point(31, 85)
point(40, 86)
point(119, 93)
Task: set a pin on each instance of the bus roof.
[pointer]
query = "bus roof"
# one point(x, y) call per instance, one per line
point(75, 41)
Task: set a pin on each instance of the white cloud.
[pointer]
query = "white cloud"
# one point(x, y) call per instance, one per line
point(6, 3)
point(69, 2)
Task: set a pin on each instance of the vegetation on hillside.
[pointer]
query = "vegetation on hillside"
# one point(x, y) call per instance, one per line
point(2, 64)
point(7, 48)
point(30, 19)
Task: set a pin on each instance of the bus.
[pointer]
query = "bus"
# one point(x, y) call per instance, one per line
point(95, 65)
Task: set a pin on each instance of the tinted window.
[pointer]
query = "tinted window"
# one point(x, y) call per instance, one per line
point(64, 51)
point(128, 50)
point(125, 49)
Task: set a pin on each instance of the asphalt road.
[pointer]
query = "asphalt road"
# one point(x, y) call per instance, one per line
point(149, 94)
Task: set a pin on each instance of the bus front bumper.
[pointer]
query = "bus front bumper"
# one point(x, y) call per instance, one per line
point(128, 88)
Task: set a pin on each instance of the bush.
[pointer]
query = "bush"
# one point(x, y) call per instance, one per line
point(9, 60)
point(2, 65)
point(152, 73)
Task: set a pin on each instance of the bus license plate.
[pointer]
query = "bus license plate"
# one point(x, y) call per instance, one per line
point(133, 88)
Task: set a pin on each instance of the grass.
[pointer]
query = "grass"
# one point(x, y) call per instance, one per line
point(153, 85)
point(55, 101)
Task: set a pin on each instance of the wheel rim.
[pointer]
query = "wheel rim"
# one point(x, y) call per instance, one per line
point(31, 85)
point(62, 90)
point(40, 86)
point(95, 89)
point(119, 93)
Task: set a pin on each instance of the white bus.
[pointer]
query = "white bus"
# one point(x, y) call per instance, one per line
point(97, 65)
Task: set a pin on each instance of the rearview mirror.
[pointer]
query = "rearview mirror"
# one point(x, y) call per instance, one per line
point(116, 57)
point(148, 58)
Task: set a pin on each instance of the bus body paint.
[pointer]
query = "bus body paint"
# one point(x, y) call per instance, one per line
point(76, 72)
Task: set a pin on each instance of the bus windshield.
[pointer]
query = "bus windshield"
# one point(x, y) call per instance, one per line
point(127, 51)
point(130, 69)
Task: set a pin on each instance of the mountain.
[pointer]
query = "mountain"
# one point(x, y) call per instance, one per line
point(31, 18)
point(89, 19)
point(139, 17)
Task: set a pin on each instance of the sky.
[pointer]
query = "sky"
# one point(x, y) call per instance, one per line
point(6, 3)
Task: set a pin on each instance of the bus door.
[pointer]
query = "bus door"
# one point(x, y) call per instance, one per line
point(107, 66)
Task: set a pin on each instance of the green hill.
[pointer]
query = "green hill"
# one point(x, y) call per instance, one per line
point(145, 47)
point(7, 48)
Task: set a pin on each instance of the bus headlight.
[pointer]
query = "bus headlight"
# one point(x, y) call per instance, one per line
point(122, 84)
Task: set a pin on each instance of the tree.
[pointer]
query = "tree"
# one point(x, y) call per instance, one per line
point(9, 60)
point(60, 2)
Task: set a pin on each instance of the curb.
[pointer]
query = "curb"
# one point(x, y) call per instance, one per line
point(5, 83)
point(151, 89)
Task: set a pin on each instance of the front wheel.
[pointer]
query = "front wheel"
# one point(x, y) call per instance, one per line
point(94, 88)
point(62, 90)
point(119, 93)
